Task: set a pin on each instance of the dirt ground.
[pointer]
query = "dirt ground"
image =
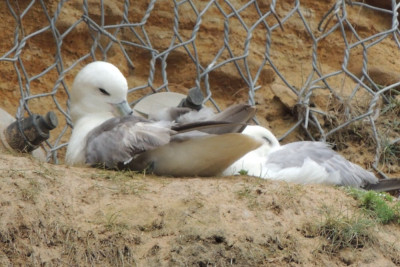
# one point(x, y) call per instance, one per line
point(55, 215)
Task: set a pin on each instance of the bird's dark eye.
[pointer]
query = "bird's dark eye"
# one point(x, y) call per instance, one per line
point(104, 92)
point(266, 139)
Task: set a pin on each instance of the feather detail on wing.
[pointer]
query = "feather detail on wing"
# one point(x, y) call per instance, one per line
point(118, 139)
point(338, 170)
point(238, 115)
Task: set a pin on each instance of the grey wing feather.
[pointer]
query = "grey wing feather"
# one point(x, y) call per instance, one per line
point(238, 114)
point(118, 139)
point(294, 154)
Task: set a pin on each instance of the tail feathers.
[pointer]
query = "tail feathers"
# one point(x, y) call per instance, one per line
point(385, 185)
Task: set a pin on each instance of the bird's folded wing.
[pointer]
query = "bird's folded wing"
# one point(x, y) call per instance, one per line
point(294, 154)
point(236, 113)
point(206, 125)
point(239, 114)
point(118, 139)
point(203, 156)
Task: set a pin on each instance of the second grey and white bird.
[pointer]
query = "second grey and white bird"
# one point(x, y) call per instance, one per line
point(303, 162)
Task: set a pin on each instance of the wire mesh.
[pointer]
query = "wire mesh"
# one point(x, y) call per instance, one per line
point(124, 31)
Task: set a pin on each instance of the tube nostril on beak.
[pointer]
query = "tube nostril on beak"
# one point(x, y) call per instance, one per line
point(122, 109)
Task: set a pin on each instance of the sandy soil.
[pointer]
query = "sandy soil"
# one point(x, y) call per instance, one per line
point(56, 215)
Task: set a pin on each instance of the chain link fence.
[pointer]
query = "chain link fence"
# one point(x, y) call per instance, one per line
point(68, 35)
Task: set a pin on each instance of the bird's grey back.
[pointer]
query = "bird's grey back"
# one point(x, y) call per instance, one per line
point(294, 154)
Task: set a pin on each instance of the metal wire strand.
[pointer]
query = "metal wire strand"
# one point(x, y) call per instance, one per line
point(131, 33)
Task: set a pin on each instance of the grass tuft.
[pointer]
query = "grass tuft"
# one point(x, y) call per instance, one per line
point(243, 172)
point(380, 206)
point(341, 231)
point(344, 232)
point(390, 153)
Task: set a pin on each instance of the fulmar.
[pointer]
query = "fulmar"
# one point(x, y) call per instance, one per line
point(303, 162)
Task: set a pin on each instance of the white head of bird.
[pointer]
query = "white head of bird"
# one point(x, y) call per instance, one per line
point(99, 88)
point(269, 140)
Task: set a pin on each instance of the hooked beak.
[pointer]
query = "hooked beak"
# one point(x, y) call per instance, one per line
point(122, 109)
